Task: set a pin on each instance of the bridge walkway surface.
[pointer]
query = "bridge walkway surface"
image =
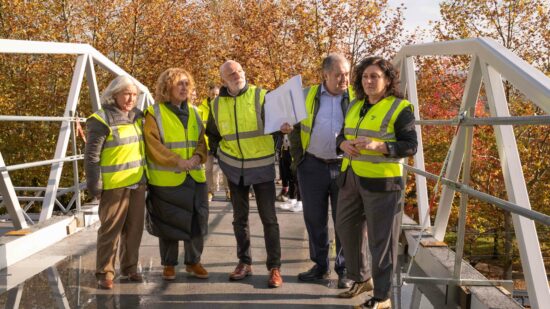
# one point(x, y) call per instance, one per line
point(62, 275)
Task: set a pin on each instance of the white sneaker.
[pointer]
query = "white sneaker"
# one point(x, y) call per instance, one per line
point(288, 205)
point(297, 207)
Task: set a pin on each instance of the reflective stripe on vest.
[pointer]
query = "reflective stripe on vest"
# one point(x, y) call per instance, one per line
point(179, 140)
point(204, 112)
point(122, 160)
point(310, 94)
point(377, 124)
point(239, 122)
point(250, 163)
point(250, 134)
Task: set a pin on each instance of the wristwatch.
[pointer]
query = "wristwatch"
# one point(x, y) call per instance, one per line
point(391, 149)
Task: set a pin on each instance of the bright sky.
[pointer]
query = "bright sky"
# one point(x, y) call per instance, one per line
point(418, 13)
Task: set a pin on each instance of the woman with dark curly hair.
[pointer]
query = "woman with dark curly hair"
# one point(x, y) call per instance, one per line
point(378, 133)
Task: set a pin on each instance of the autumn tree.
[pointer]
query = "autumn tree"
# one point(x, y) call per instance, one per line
point(522, 27)
point(273, 39)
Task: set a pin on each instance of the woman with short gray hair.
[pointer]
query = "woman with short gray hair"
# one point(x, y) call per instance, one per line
point(115, 174)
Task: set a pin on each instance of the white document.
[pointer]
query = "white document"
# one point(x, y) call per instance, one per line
point(284, 104)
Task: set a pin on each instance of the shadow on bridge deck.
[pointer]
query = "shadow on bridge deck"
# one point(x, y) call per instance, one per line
point(63, 275)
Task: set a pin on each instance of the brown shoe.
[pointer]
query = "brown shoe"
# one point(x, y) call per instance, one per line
point(197, 270)
point(376, 303)
point(241, 271)
point(358, 288)
point(135, 277)
point(275, 279)
point(105, 284)
point(169, 273)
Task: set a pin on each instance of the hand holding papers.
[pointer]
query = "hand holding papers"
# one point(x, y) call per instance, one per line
point(285, 104)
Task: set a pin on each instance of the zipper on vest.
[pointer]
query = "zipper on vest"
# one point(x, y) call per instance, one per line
point(187, 142)
point(238, 139)
point(356, 131)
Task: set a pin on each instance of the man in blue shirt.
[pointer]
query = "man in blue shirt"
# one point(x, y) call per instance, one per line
point(315, 158)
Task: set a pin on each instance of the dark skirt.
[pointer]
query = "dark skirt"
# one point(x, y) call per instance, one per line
point(173, 211)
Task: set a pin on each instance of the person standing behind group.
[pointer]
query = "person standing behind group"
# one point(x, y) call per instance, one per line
point(177, 203)
point(247, 157)
point(313, 145)
point(115, 173)
point(213, 174)
point(288, 176)
point(378, 133)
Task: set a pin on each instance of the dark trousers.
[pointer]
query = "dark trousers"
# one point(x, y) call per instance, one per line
point(380, 215)
point(193, 247)
point(317, 181)
point(284, 168)
point(288, 178)
point(192, 250)
point(265, 199)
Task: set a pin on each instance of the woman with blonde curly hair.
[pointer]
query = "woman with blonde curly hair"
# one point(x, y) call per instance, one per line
point(177, 204)
point(115, 173)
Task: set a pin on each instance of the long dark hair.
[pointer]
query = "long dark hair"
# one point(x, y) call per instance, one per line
point(389, 72)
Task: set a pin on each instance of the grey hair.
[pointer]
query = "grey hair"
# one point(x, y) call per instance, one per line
point(332, 58)
point(115, 86)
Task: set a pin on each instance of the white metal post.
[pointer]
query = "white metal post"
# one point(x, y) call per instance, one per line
point(141, 101)
point(526, 233)
point(409, 73)
point(92, 84)
point(63, 139)
point(10, 198)
point(469, 99)
point(14, 296)
point(56, 286)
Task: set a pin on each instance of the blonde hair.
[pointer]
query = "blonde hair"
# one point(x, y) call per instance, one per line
point(168, 79)
point(115, 86)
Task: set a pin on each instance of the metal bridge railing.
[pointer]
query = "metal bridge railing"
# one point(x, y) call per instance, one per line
point(490, 64)
point(86, 58)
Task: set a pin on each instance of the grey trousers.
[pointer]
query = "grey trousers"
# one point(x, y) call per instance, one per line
point(213, 175)
point(374, 216)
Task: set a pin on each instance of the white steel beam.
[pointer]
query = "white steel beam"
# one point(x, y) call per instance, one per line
point(63, 139)
point(469, 99)
point(9, 197)
point(421, 186)
point(92, 84)
point(141, 100)
point(56, 286)
point(526, 233)
point(34, 47)
point(14, 296)
point(530, 81)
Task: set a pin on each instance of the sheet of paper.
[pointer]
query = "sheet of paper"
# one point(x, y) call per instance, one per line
point(284, 104)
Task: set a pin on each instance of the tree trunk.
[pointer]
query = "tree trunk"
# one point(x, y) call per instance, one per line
point(495, 243)
point(508, 232)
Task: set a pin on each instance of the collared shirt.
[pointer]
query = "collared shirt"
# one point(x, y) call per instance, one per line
point(328, 123)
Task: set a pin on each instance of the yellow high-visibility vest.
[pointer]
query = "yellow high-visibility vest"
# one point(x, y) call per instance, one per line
point(377, 124)
point(122, 159)
point(180, 141)
point(307, 124)
point(244, 144)
point(204, 111)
